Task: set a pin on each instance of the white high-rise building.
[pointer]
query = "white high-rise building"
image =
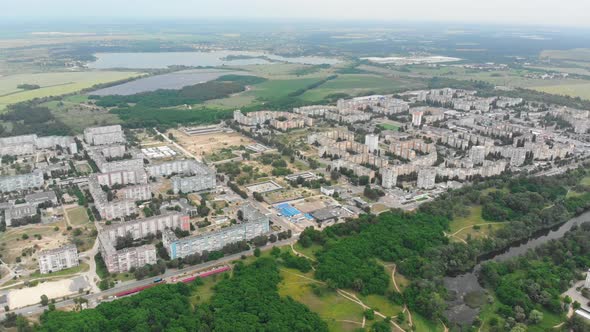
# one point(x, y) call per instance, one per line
point(478, 154)
point(417, 117)
point(372, 141)
point(389, 177)
point(426, 178)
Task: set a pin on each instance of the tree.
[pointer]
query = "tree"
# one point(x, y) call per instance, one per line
point(369, 314)
point(44, 300)
point(257, 252)
point(535, 317)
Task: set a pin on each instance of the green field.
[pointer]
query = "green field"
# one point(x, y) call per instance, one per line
point(472, 225)
point(78, 216)
point(388, 126)
point(473, 218)
point(331, 307)
point(360, 84)
point(274, 89)
point(53, 84)
point(577, 88)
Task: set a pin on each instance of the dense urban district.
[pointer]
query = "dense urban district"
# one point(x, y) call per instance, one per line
point(338, 191)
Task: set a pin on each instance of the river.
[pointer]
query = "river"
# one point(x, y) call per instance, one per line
point(467, 285)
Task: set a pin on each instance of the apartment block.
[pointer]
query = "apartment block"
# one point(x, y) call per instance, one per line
point(54, 260)
point(104, 135)
point(22, 181)
point(254, 224)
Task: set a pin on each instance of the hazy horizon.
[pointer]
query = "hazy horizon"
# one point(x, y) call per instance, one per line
point(566, 13)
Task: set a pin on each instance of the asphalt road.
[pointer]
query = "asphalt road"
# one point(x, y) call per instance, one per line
point(95, 297)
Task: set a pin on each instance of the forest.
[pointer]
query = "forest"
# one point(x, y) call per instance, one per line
point(351, 251)
point(247, 301)
point(529, 284)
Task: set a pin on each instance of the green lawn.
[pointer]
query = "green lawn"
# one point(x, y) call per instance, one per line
point(331, 307)
point(53, 84)
point(473, 225)
point(388, 126)
point(78, 216)
point(585, 181)
point(473, 218)
point(73, 270)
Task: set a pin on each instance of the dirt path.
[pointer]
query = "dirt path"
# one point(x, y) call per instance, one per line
point(302, 255)
point(471, 226)
point(393, 279)
point(351, 297)
point(411, 323)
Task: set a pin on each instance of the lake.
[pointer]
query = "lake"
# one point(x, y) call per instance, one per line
point(467, 285)
point(148, 60)
point(175, 80)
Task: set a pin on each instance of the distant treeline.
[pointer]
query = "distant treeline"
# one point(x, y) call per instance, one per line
point(27, 118)
point(189, 95)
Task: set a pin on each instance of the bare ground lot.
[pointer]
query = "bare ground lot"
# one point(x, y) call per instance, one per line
point(202, 145)
point(12, 244)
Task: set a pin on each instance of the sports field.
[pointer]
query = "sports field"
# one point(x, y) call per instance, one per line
point(53, 84)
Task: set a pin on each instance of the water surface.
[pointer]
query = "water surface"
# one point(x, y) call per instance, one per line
point(144, 60)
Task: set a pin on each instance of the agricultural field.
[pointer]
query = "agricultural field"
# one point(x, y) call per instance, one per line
point(360, 84)
point(53, 84)
point(572, 88)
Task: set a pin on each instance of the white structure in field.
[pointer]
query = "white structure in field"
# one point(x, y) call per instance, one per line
point(587, 283)
point(104, 135)
point(372, 141)
point(58, 259)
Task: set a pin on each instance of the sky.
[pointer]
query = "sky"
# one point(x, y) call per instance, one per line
point(527, 12)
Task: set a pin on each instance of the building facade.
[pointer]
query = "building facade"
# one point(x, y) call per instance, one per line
point(58, 259)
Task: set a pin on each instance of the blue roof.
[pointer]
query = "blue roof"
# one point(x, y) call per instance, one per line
point(288, 210)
